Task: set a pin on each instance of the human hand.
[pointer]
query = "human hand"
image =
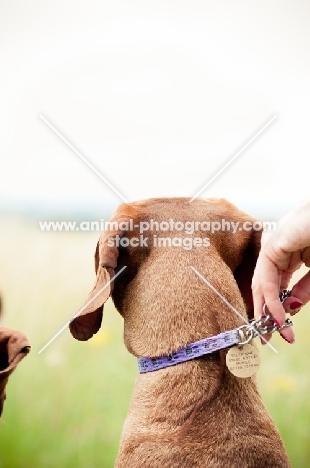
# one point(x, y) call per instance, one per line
point(283, 252)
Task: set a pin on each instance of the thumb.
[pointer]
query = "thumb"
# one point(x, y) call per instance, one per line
point(300, 295)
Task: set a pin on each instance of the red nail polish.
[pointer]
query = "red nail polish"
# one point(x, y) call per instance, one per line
point(288, 341)
point(276, 322)
point(295, 305)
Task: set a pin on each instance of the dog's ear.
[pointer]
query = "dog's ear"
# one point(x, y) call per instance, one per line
point(88, 320)
point(13, 348)
point(244, 272)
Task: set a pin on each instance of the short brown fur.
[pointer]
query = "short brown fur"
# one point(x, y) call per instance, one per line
point(194, 414)
point(14, 346)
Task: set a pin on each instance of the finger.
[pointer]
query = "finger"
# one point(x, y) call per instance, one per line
point(288, 334)
point(264, 339)
point(306, 256)
point(301, 290)
point(258, 298)
point(270, 290)
point(285, 278)
point(292, 305)
point(258, 301)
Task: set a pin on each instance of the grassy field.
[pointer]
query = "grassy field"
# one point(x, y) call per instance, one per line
point(66, 406)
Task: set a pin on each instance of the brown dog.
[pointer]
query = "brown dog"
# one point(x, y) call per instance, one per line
point(194, 414)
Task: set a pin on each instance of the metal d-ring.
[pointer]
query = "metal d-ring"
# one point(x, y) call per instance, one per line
point(247, 336)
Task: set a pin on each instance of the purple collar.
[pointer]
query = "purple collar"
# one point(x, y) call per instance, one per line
point(265, 324)
point(191, 351)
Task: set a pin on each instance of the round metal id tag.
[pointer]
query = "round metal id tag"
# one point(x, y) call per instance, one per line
point(243, 361)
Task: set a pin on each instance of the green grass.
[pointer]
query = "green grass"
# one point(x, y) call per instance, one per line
point(66, 406)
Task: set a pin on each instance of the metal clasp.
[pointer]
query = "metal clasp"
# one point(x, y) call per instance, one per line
point(264, 325)
point(246, 334)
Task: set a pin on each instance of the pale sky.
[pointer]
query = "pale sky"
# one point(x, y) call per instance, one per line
point(158, 96)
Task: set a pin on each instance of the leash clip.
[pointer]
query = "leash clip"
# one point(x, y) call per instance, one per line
point(263, 325)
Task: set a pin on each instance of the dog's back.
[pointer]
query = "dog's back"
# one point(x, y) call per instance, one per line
point(195, 414)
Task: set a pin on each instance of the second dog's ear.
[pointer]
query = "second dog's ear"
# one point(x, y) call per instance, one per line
point(14, 346)
point(88, 320)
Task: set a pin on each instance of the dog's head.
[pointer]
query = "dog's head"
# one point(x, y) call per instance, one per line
point(157, 240)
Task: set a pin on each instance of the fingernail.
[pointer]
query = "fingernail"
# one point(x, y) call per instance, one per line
point(288, 341)
point(263, 342)
point(295, 306)
point(294, 312)
point(276, 322)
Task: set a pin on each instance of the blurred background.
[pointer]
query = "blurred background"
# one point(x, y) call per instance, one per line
point(158, 96)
